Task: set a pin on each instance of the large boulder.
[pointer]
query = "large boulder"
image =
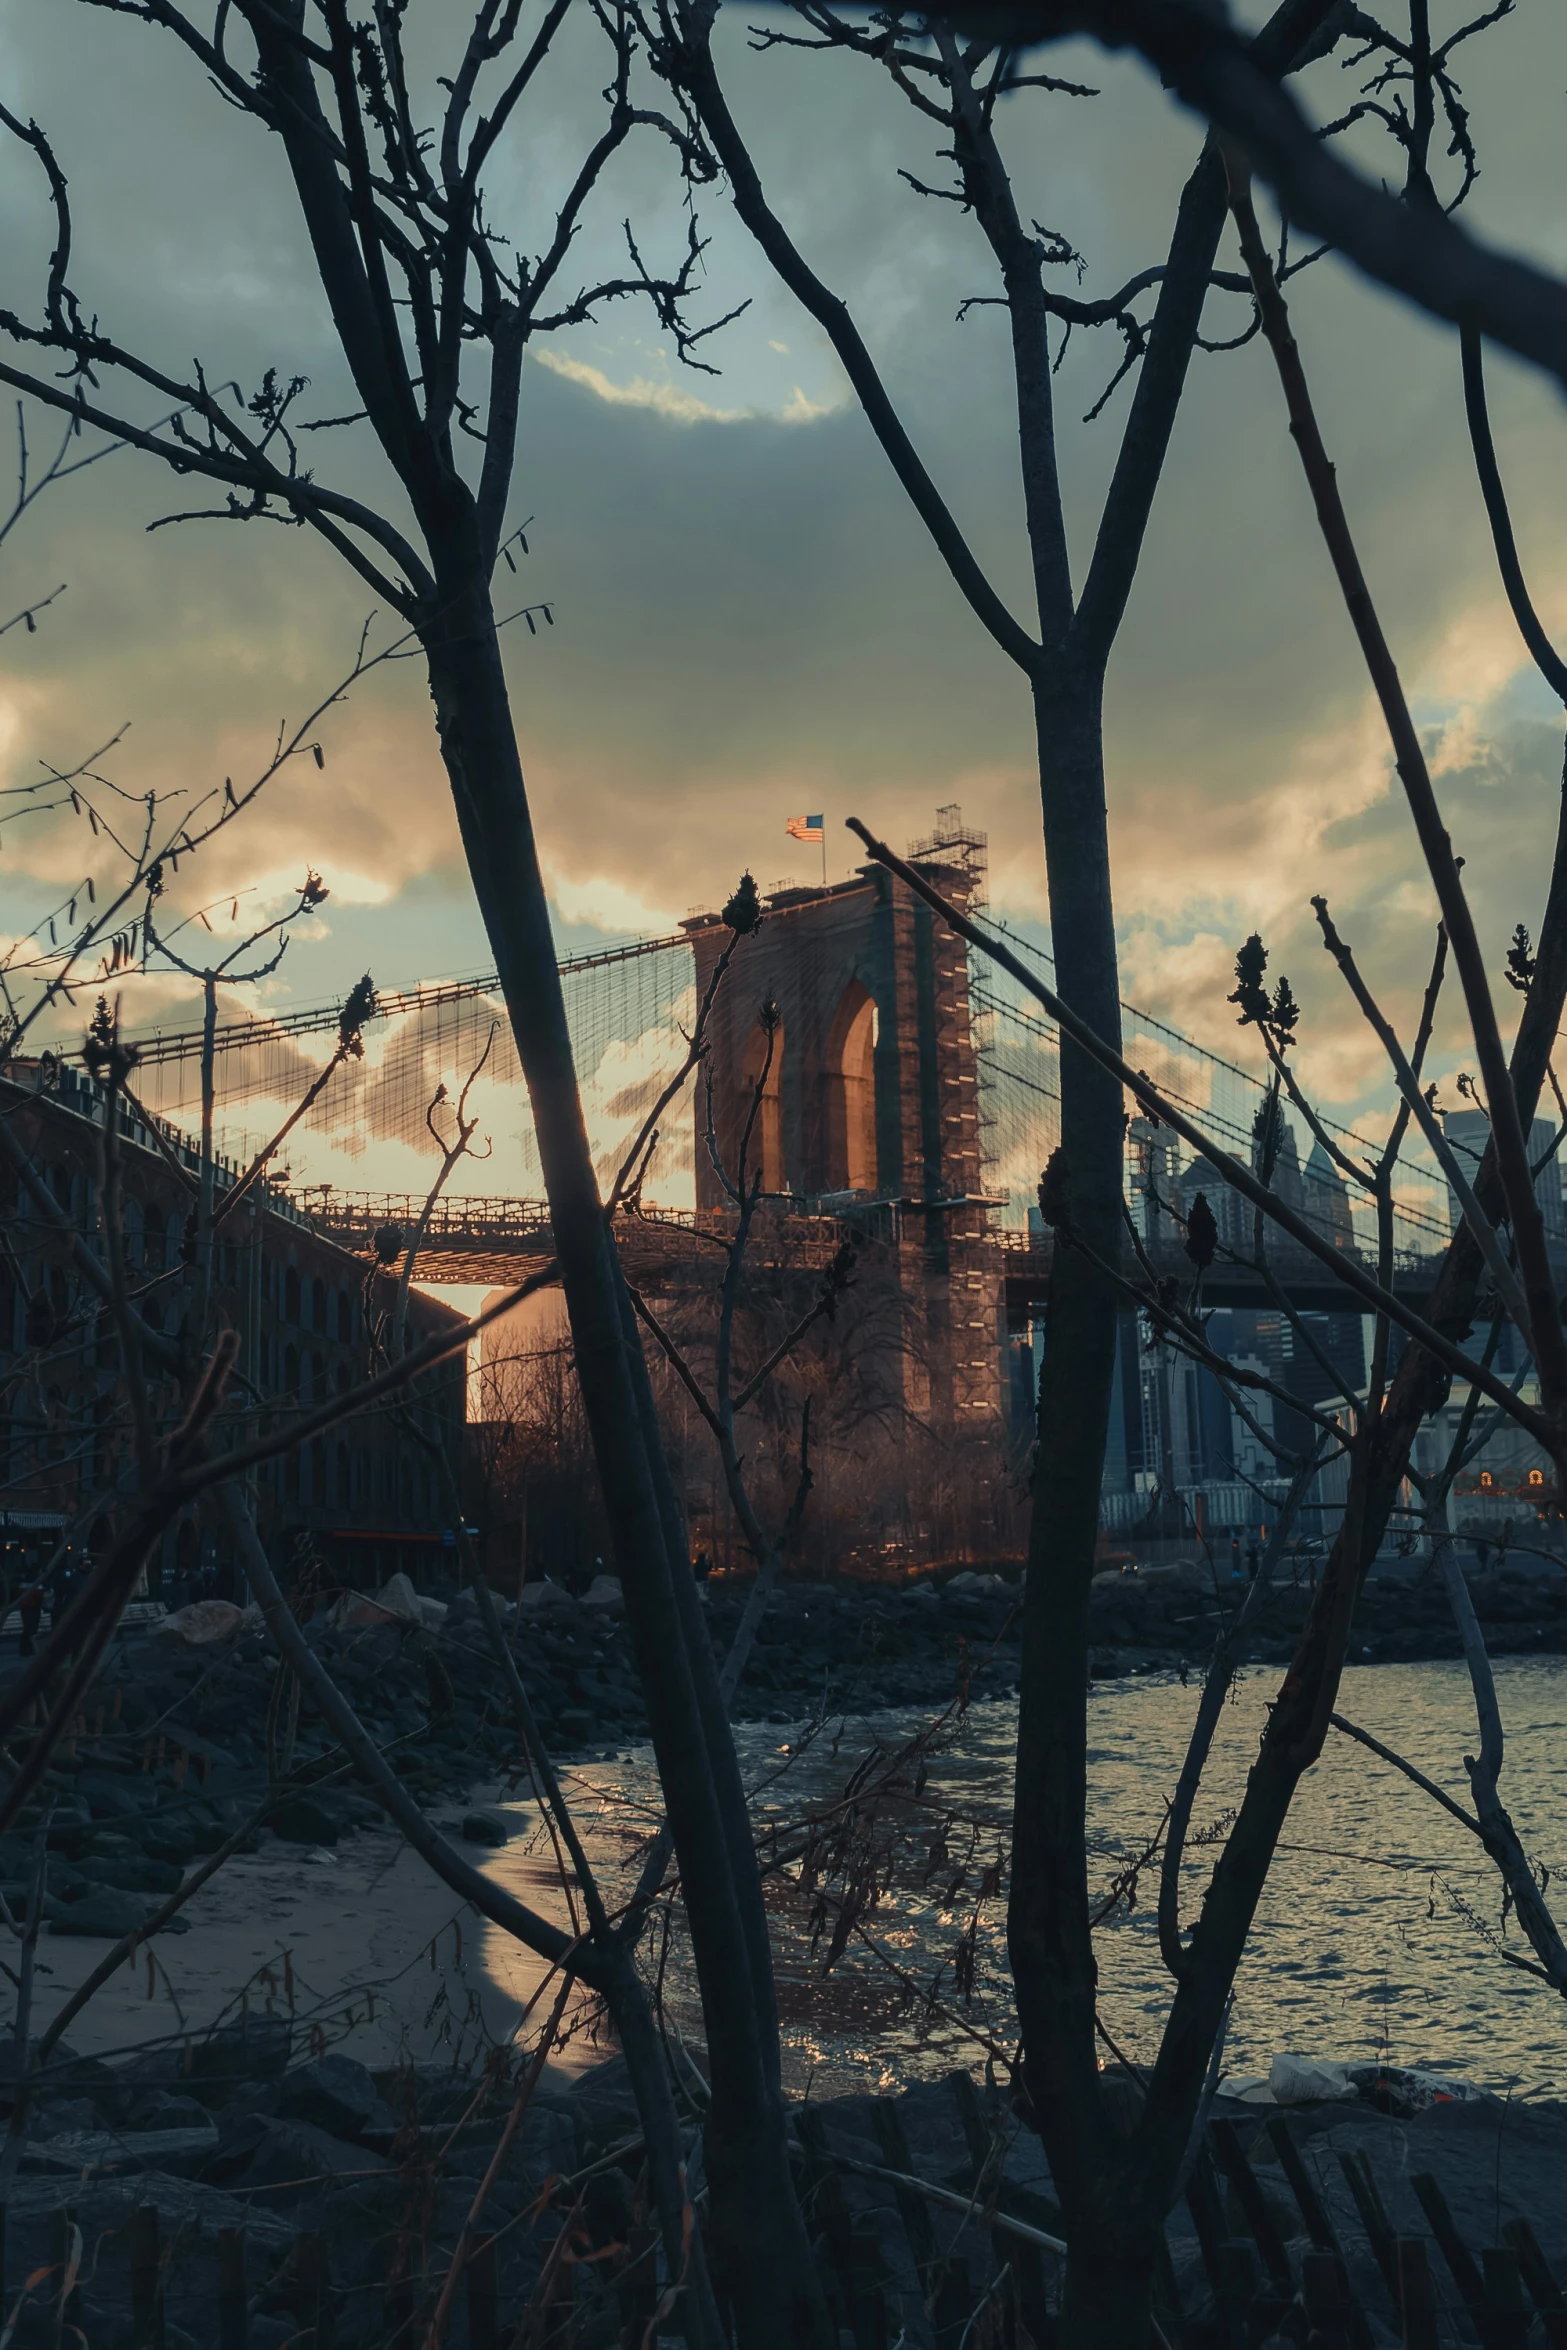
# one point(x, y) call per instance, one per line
point(88, 2152)
point(135, 1875)
point(287, 2161)
point(115, 1795)
point(109, 1913)
point(174, 1838)
point(487, 1826)
point(240, 2056)
point(336, 2094)
point(207, 1621)
point(163, 2109)
point(546, 1598)
point(395, 1602)
point(304, 1821)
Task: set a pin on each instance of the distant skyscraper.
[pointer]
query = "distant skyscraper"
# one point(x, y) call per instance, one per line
point(1468, 1132)
point(1152, 1159)
point(1326, 1199)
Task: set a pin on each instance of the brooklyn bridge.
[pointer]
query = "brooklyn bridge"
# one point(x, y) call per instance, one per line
point(910, 1100)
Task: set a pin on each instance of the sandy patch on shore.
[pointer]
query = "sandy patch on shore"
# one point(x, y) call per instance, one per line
point(362, 1943)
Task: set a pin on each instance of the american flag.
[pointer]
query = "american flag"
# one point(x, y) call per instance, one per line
point(805, 827)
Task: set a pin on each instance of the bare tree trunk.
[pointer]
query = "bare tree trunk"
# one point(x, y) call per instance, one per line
point(764, 2255)
point(1047, 1923)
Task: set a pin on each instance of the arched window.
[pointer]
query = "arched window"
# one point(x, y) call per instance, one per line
point(343, 1495)
point(291, 1370)
point(765, 1150)
point(174, 1239)
point(318, 1491)
point(345, 1316)
point(1537, 1476)
point(850, 1077)
point(132, 1226)
point(317, 1380)
point(291, 1295)
point(318, 1305)
point(1486, 1479)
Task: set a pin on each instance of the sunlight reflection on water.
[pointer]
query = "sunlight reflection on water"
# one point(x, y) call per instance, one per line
point(1372, 1936)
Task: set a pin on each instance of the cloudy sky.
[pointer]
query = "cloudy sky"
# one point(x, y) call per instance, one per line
point(749, 621)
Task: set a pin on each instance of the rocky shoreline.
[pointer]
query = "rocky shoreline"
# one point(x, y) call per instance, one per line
point(172, 1755)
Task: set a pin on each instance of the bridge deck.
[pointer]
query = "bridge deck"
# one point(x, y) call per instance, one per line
point(495, 1240)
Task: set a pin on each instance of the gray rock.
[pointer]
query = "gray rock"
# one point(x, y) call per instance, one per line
point(288, 2161)
point(138, 1874)
point(169, 1839)
point(336, 2094)
point(304, 1821)
point(183, 2205)
point(603, 2107)
point(110, 1913)
point(486, 1827)
point(52, 2117)
point(89, 2151)
point(162, 2109)
point(241, 2054)
point(112, 1795)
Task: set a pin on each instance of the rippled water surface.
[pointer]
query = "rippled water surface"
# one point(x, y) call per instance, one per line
point(1378, 1934)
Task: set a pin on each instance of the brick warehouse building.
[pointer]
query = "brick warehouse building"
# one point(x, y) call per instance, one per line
point(366, 1497)
point(871, 1102)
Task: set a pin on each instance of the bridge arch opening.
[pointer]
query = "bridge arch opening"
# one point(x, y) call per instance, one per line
point(849, 1077)
point(766, 1147)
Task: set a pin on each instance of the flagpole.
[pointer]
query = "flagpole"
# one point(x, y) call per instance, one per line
point(824, 852)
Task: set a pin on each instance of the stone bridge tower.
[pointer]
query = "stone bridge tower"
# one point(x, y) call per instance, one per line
point(871, 1102)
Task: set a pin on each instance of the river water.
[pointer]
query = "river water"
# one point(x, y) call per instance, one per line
point(1379, 1935)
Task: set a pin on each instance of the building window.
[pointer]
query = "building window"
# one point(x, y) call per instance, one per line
point(1537, 1476)
point(291, 1295)
point(318, 1305)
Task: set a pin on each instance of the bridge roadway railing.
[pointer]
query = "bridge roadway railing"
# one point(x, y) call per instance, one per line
point(1306, 1281)
point(488, 1238)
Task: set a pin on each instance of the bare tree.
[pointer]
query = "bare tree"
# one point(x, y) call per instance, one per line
point(433, 309)
point(1210, 64)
